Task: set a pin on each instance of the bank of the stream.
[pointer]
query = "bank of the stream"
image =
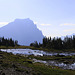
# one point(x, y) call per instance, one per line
point(34, 48)
point(19, 65)
point(65, 60)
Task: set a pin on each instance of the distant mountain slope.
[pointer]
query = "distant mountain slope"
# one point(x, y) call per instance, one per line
point(62, 37)
point(23, 30)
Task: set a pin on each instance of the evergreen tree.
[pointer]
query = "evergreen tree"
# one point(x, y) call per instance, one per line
point(56, 43)
point(7, 42)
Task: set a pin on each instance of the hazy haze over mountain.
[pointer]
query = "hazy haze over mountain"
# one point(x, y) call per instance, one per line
point(23, 30)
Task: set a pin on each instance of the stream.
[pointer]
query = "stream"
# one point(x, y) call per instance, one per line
point(56, 63)
point(36, 52)
point(43, 53)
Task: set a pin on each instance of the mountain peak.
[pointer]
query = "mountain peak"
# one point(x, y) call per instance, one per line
point(26, 20)
point(23, 30)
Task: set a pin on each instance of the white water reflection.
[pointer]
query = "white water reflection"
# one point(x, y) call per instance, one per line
point(41, 61)
point(36, 52)
point(24, 51)
point(56, 63)
point(41, 53)
point(62, 65)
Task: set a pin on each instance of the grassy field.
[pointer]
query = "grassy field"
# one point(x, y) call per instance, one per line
point(18, 65)
point(59, 58)
point(33, 48)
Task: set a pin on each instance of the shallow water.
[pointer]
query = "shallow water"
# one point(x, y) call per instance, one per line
point(24, 51)
point(41, 53)
point(62, 65)
point(56, 63)
point(35, 52)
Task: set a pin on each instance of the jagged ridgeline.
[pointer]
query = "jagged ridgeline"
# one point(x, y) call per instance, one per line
point(23, 30)
point(8, 42)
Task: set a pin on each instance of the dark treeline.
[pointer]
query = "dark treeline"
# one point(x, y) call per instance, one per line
point(8, 42)
point(56, 43)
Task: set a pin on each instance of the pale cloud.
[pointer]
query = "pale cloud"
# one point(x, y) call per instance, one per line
point(67, 24)
point(45, 24)
point(35, 22)
point(68, 30)
point(3, 23)
point(42, 24)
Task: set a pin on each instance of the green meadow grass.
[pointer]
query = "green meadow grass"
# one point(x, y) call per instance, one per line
point(34, 48)
point(19, 65)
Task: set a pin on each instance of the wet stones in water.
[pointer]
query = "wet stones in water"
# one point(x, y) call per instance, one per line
point(58, 55)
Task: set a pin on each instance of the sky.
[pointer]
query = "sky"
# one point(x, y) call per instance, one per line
point(52, 17)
